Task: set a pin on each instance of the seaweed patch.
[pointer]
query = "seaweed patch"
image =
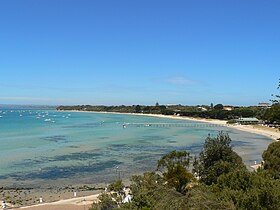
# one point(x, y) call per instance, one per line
point(56, 138)
point(65, 172)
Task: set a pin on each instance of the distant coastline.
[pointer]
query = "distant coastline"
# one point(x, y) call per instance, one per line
point(272, 133)
point(15, 106)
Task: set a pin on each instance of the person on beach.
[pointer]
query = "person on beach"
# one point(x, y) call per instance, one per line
point(4, 205)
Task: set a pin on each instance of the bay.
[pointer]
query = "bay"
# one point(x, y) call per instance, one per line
point(43, 146)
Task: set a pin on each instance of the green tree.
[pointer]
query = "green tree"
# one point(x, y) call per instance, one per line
point(112, 199)
point(201, 197)
point(236, 180)
point(105, 203)
point(273, 114)
point(144, 190)
point(150, 193)
point(147, 109)
point(219, 106)
point(277, 97)
point(217, 158)
point(271, 158)
point(174, 166)
point(138, 109)
point(116, 186)
point(248, 190)
point(174, 158)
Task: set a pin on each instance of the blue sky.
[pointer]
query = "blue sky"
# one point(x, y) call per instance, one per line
point(117, 52)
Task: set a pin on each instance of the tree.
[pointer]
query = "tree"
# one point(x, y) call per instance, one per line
point(144, 190)
point(201, 197)
point(248, 190)
point(235, 180)
point(110, 200)
point(150, 192)
point(116, 186)
point(137, 109)
point(147, 109)
point(277, 97)
point(273, 114)
point(219, 106)
point(174, 158)
point(105, 203)
point(271, 158)
point(174, 166)
point(217, 158)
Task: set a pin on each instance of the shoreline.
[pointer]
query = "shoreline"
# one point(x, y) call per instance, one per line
point(50, 198)
point(75, 203)
point(271, 133)
point(256, 129)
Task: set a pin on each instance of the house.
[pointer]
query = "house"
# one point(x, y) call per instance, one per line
point(228, 108)
point(202, 108)
point(248, 121)
point(264, 105)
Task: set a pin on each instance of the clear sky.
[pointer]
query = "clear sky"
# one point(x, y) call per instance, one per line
point(117, 52)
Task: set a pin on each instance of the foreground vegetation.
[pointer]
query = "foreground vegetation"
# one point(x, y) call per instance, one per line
point(218, 180)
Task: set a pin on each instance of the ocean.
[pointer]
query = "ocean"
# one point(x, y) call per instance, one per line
point(45, 147)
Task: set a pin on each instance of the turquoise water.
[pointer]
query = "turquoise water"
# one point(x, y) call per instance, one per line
point(45, 146)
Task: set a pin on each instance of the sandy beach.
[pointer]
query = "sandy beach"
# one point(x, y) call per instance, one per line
point(78, 203)
point(272, 133)
point(52, 199)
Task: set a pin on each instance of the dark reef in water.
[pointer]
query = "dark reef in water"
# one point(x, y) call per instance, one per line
point(56, 138)
point(64, 172)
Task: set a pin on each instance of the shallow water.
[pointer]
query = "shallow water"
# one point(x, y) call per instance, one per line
point(46, 146)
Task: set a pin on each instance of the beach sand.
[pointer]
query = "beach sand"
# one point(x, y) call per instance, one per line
point(52, 197)
point(58, 207)
point(272, 133)
point(79, 203)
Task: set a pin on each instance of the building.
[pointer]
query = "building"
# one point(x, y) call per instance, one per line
point(228, 108)
point(248, 121)
point(264, 105)
point(202, 108)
